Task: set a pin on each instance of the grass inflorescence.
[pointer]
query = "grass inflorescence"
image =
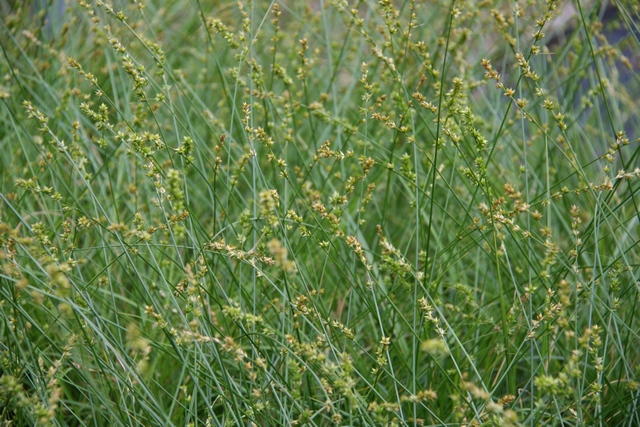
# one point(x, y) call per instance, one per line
point(319, 213)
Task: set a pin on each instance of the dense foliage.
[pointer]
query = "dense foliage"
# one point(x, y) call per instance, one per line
point(322, 212)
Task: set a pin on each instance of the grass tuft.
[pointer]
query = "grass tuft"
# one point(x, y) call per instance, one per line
point(331, 212)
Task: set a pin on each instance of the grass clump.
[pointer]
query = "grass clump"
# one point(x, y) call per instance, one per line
point(319, 213)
